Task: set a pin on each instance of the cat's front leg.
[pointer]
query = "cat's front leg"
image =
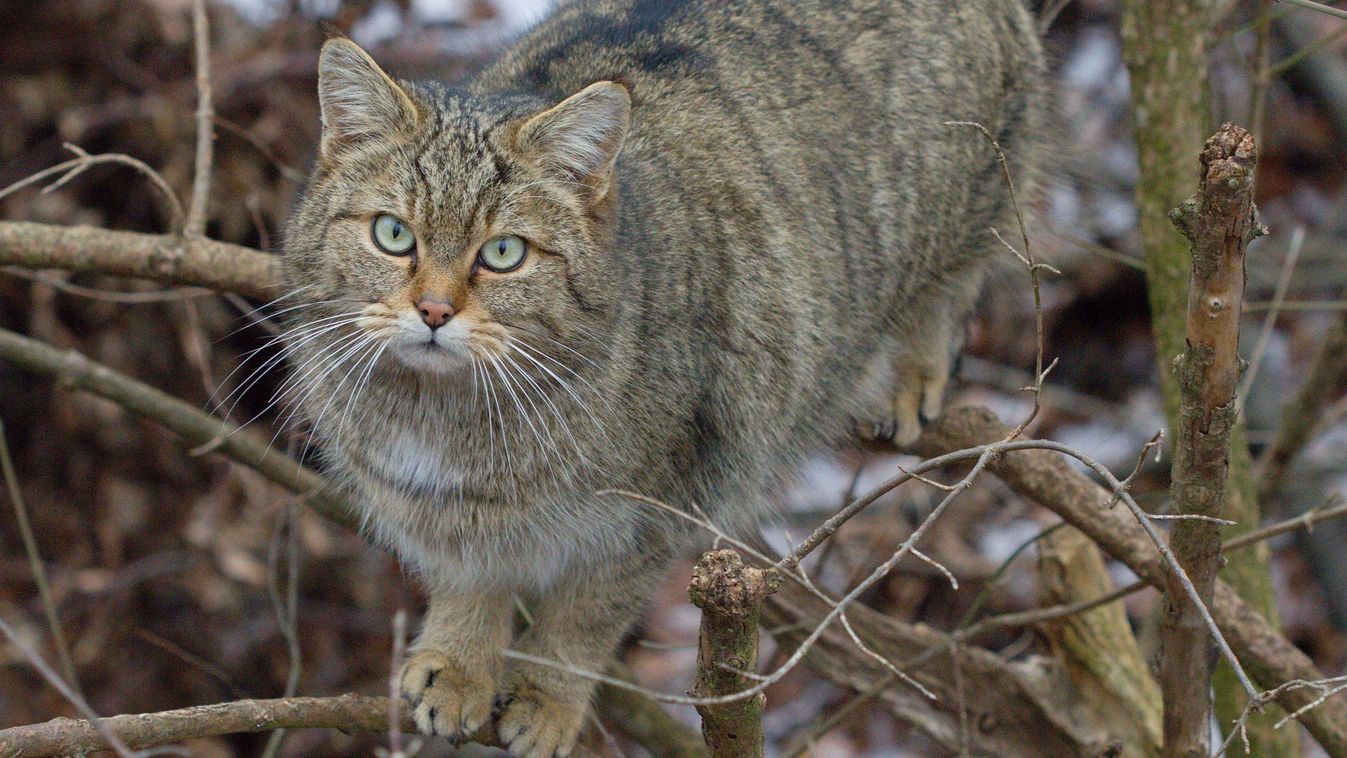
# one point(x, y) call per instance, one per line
point(578, 623)
point(454, 670)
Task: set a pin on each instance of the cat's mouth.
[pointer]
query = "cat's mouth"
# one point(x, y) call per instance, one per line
point(435, 352)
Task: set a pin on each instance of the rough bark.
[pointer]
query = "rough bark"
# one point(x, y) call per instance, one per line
point(1220, 220)
point(730, 596)
point(163, 257)
point(1165, 48)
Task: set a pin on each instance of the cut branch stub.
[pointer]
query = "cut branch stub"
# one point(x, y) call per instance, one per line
point(1220, 221)
point(730, 596)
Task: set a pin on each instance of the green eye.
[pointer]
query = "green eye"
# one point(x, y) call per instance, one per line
point(503, 254)
point(392, 235)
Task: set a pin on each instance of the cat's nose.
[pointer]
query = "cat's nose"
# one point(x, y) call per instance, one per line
point(435, 311)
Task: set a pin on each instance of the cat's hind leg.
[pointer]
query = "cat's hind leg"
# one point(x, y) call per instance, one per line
point(920, 374)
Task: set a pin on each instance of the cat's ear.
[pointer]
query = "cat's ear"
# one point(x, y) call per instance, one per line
point(358, 100)
point(581, 136)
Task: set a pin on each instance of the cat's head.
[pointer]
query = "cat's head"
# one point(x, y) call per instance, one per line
point(443, 226)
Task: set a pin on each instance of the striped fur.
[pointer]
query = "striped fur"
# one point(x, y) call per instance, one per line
point(750, 230)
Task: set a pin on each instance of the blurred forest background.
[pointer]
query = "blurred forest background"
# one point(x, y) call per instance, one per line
point(171, 570)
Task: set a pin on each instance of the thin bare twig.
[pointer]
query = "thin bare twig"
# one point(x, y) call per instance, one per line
point(205, 116)
point(35, 562)
point(1327, 10)
point(109, 296)
point(83, 160)
point(1270, 320)
point(286, 607)
point(1306, 521)
point(394, 684)
point(111, 741)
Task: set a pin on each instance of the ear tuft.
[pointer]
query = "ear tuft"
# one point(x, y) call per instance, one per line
point(581, 136)
point(357, 98)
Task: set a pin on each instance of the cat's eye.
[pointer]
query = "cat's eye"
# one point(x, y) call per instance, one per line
point(503, 254)
point(392, 235)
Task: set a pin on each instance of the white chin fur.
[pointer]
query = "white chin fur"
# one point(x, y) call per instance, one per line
point(432, 358)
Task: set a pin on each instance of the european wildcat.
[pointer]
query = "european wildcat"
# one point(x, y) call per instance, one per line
point(662, 246)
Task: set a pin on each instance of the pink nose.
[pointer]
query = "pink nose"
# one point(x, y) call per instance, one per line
point(435, 311)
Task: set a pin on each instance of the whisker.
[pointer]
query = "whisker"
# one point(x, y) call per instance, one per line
point(316, 361)
point(350, 351)
point(509, 387)
point(307, 332)
point(368, 348)
point(556, 413)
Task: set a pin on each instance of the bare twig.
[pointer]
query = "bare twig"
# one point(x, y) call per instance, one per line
point(1298, 305)
point(1320, 7)
point(195, 227)
point(1306, 520)
point(109, 296)
point(1298, 419)
point(83, 160)
point(95, 725)
point(394, 687)
point(35, 563)
point(1270, 320)
point(287, 608)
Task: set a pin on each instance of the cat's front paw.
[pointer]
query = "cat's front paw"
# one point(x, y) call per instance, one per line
point(449, 699)
point(538, 724)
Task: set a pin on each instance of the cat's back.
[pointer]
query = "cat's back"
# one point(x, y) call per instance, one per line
point(864, 56)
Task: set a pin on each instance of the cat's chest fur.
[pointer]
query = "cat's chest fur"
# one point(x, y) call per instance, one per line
point(455, 527)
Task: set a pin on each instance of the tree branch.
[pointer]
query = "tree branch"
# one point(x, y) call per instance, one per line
point(65, 736)
point(243, 445)
point(167, 258)
point(195, 226)
point(1048, 479)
